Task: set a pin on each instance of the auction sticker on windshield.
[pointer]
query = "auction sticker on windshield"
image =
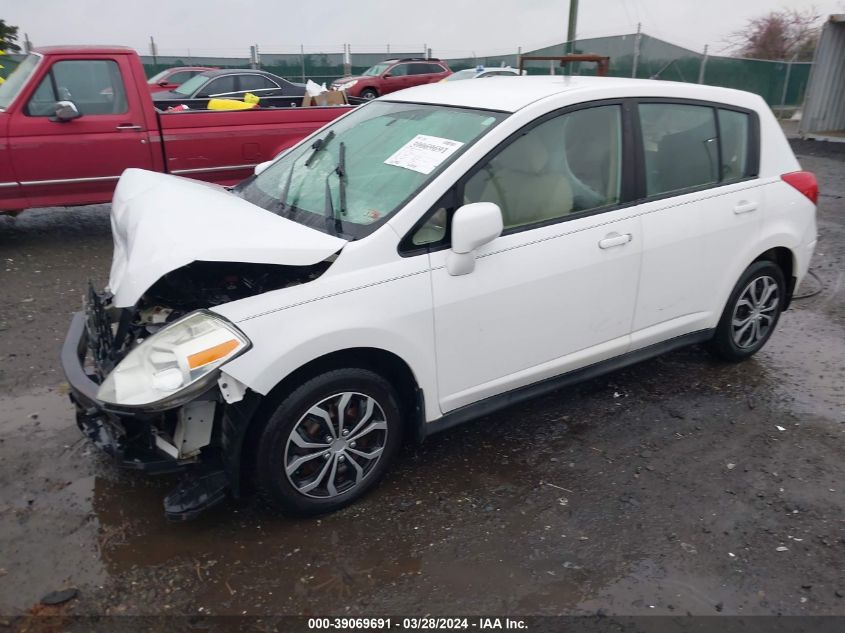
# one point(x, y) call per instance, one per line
point(423, 153)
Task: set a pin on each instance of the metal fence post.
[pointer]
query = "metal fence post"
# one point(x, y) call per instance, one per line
point(302, 60)
point(702, 66)
point(636, 51)
point(786, 85)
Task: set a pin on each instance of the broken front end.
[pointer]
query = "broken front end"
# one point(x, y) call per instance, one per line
point(146, 380)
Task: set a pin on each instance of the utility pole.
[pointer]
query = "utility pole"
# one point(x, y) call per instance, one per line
point(154, 51)
point(27, 45)
point(347, 59)
point(636, 62)
point(570, 33)
point(786, 85)
point(573, 21)
point(302, 60)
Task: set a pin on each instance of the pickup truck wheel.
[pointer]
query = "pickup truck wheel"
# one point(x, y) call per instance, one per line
point(369, 93)
point(328, 442)
point(751, 314)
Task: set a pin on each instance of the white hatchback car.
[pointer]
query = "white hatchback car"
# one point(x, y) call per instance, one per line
point(425, 259)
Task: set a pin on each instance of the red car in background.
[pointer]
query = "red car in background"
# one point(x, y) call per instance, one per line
point(392, 75)
point(172, 78)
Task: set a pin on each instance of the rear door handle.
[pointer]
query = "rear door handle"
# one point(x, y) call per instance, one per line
point(615, 239)
point(745, 207)
point(129, 127)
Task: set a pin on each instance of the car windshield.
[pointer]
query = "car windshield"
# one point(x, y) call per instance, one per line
point(469, 73)
point(158, 77)
point(376, 70)
point(190, 87)
point(386, 152)
point(15, 81)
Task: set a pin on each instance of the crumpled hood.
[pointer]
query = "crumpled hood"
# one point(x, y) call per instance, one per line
point(161, 223)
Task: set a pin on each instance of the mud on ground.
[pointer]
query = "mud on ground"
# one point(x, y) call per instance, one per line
point(680, 485)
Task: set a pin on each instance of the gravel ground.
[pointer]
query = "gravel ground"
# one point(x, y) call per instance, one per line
point(680, 485)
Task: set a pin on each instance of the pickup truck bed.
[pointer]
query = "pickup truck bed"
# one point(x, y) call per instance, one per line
point(47, 161)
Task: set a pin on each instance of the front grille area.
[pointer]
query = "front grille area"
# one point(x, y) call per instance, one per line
point(99, 332)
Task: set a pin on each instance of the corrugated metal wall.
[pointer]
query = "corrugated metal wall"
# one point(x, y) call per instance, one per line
point(824, 108)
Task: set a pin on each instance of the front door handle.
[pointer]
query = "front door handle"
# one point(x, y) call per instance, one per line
point(615, 239)
point(745, 207)
point(129, 127)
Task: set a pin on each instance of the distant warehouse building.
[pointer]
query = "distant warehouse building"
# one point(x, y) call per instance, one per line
point(824, 106)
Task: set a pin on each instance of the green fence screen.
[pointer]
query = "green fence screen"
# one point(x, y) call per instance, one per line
point(631, 55)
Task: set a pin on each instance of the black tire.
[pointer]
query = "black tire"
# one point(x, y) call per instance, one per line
point(724, 344)
point(275, 452)
point(369, 93)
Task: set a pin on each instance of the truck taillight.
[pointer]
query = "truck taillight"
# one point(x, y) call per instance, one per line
point(805, 182)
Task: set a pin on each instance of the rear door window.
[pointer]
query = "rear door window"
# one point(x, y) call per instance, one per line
point(681, 146)
point(219, 86)
point(256, 82)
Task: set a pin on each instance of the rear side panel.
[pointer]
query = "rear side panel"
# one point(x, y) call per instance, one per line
point(224, 147)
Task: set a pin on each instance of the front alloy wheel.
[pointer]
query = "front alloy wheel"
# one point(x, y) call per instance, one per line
point(336, 445)
point(328, 442)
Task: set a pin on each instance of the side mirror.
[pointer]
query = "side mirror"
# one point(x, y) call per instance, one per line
point(260, 167)
point(387, 75)
point(162, 83)
point(473, 226)
point(66, 111)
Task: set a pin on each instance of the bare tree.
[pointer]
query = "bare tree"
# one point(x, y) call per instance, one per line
point(8, 38)
point(784, 34)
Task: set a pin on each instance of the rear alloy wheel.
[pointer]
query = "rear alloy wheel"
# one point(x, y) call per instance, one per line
point(329, 442)
point(368, 94)
point(751, 314)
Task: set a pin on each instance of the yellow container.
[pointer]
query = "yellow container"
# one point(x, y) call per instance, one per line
point(229, 104)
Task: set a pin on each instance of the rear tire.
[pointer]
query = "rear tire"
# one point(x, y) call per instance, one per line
point(751, 314)
point(369, 94)
point(309, 462)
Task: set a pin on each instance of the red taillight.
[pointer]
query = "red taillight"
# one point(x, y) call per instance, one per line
point(805, 182)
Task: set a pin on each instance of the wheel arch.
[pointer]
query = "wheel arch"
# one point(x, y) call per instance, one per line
point(385, 363)
point(784, 258)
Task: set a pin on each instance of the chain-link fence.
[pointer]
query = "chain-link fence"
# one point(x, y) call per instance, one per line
point(781, 84)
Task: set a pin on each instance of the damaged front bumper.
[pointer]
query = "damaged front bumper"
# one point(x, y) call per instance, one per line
point(198, 438)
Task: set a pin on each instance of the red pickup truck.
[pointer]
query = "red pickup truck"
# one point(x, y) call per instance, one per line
point(73, 118)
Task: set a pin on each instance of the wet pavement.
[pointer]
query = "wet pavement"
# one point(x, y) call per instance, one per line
point(680, 485)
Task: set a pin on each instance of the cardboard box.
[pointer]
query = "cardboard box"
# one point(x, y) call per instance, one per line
point(328, 98)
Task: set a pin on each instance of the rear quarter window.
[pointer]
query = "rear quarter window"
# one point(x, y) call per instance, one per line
point(734, 128)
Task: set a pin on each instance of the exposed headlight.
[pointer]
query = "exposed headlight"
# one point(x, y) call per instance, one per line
point(347, 85)
point(175, 363)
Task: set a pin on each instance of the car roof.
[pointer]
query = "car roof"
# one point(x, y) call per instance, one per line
point(510, 94)
point(238, 71)
point(95, 49)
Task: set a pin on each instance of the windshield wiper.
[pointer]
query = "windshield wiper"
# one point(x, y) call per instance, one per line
point(318, 146)
point(340, 171)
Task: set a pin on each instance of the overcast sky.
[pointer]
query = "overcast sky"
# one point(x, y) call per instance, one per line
point(450, 27)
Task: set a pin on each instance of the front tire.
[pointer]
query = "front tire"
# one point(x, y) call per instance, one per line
point(369, 94)
point(751, 314)
point(329, 442)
